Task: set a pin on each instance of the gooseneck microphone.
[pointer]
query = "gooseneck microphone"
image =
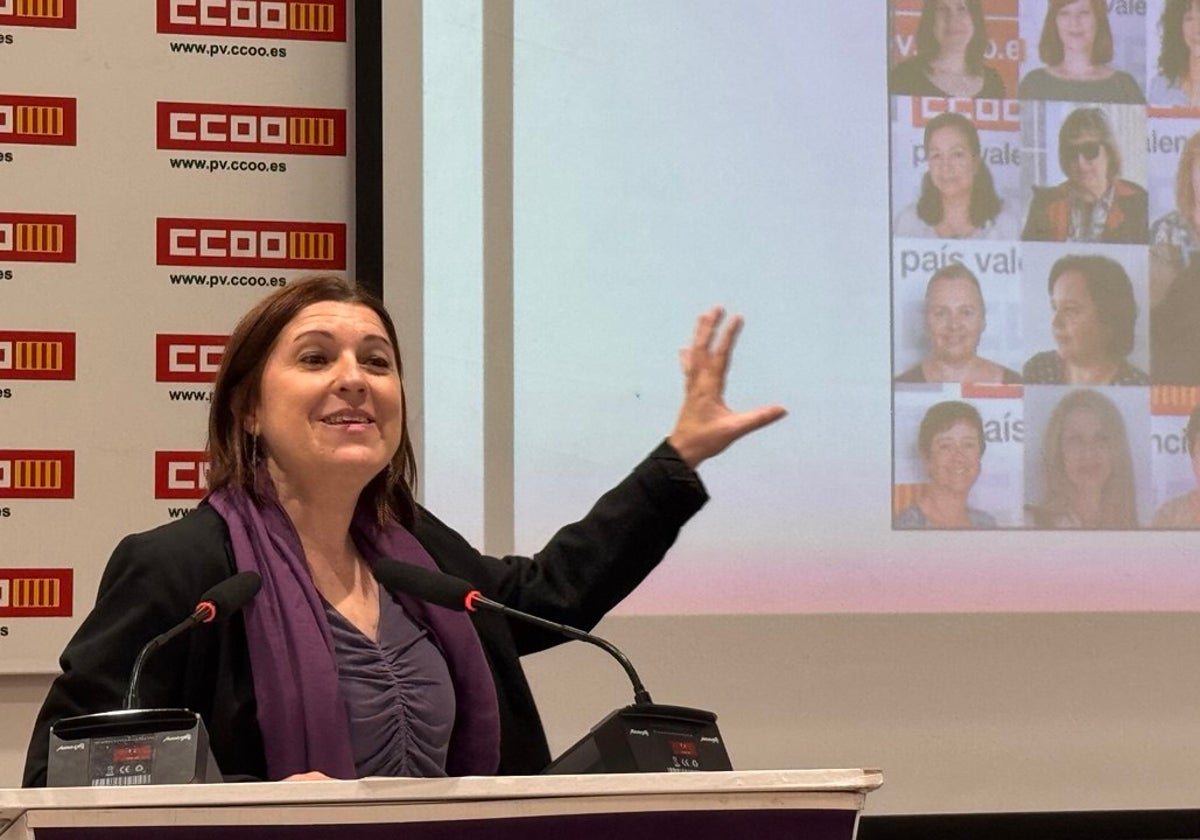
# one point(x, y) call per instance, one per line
point(217, 604)
point(135, 746)
point(454, 593)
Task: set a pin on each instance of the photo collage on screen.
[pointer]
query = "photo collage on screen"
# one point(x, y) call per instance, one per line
point(1045, 199)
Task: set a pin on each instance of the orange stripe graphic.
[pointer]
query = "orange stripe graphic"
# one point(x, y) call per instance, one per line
point(310, 131)
point(310, 246)
point(39, 474)
point(36, 592)
point(45, 120)
point(39, 355)
point(1174, 399)
point(310, 17)
point(39, 238)
point(40, 8)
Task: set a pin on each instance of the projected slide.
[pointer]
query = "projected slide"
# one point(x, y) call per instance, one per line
point(1045, 282)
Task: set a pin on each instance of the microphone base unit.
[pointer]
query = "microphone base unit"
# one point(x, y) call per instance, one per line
point(131, 747)
point(647, 738)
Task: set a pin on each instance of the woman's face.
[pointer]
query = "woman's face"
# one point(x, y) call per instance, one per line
point(1077, 27)
point(954, 319)
point(1191, 28)
point(953, 27)
point(953, 459)
point(952, 163)
point(1077, 329)
point(1087, 166)
point(1087, 450)
point(329, 403)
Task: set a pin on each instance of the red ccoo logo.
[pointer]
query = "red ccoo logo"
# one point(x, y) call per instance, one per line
point(35, 593)
point(40, 120)
point(986, 114)
point(180, 475)
point(37, 355)
point(251, 128)
point(37, 237)
point(241, 243)
point(48, 14)
point(37, 474)
point(188, 358)
point(297, 20)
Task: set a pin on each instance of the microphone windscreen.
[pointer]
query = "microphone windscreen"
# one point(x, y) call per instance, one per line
point(435, 587)
point(231, 594)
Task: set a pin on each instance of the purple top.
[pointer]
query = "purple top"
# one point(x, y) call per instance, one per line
point(300, 707)
point(399, 698)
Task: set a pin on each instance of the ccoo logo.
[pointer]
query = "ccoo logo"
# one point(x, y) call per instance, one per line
point(180, 475)
point(244, 243)
point(35, 593)
point(37, 355)
point(188, 358)
point(986, 114)
point(37, 237)
point(298, 20)
point(251, 128)
point(38, 120)
point(37, 474)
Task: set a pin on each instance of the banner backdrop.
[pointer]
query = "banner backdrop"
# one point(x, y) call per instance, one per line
point(162, 167)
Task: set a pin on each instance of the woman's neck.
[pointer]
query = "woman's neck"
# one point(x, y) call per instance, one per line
point(321, 513)
point(945, 370)
point(1078, 65)
point(1099, 372)
point(956, 217)
point(1086, 506)
point(951, 61)
point(943, 508)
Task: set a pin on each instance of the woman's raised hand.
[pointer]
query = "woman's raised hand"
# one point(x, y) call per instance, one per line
point(706, 425)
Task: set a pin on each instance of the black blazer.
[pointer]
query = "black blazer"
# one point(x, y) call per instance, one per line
point(154, 579)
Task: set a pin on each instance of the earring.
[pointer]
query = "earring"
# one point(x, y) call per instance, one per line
point(254, 450)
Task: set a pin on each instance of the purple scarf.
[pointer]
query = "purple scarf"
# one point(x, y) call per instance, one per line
point(300, 708)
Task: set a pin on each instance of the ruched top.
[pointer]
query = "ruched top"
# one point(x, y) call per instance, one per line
point(399, 699)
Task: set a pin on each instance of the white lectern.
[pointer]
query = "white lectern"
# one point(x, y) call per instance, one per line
point(763, 804)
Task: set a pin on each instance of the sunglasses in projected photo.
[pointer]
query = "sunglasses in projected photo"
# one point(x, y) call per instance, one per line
point(1090, 149)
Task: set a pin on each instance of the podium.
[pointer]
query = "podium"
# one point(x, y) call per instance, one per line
point(764, 804)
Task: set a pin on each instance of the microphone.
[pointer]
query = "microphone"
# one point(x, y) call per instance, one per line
point(135, 746)
point(643, 737)
point(217, 604)
point(454, 593)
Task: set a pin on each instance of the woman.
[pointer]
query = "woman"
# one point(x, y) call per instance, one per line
point(1184, 511)
point(310, 480)
point(1093, 324)
point(1094, 204)
point(1174, 237)
point(1076, 47)
point(958, 197)
point(1086, 466)
point(951, 40)
point(955, 319)
point(951, 444)
point(1177, 83)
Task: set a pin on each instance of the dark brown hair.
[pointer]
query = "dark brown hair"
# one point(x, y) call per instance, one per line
point(1174, 57)
point(928, 47)
point(945, 415)
point(1112, 293)
point(230, 447)
point(985, 203)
